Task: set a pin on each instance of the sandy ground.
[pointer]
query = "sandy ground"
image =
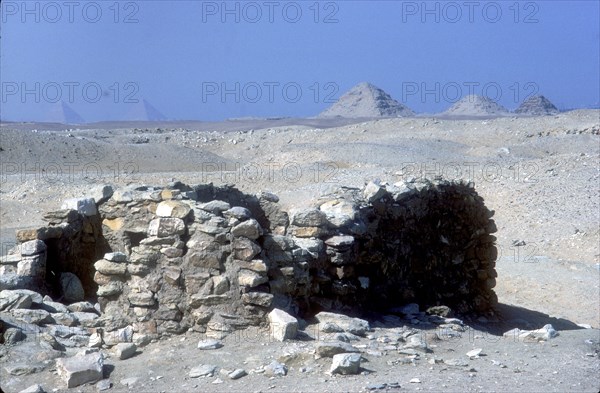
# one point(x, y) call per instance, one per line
point(541, 175)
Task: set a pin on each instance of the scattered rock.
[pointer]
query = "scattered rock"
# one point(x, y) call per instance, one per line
point(474, 353)
point(276, 369)
point(103, 385)
point(345, 363)
point(81, 369)
point(329, 349)
point(125, 350)
point(129, 381)
point(37, 388)
point(84, 206)
point(204, 370)
point(335, 323)
point(283, 326)
point(209, 344)
point(237, 373)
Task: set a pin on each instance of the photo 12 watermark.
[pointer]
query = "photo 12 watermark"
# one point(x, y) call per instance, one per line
point(69, 172)
point(325, 12)
point(289, 172)
point(452, 92)
point(488, 171)
point(253, 92)
point(69, 91)
point(470, 11)
point(70, 11)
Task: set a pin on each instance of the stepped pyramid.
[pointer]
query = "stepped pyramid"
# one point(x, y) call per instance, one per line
point(144, 111)
point(366, 100)
point(474, 105)
point(538, 106)
point(61, 112)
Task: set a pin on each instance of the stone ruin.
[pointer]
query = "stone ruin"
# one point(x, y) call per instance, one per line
point(161, 261)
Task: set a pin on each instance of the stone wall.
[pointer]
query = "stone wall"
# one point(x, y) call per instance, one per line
point(212, 259)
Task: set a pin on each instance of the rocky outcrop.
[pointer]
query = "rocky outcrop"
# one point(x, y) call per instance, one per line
point(161, 261)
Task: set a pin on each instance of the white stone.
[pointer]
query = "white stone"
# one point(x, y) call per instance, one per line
point(81, 369)
point(85, 206)
point(32, 247)
point(125, 350)
point(283, 325)
point(173, 208)
point(345, 363)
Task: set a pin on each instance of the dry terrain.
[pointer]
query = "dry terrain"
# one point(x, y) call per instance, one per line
point(541, 176)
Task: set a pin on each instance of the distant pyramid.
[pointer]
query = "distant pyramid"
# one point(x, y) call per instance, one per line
point(537, 106)
point(474, 105)
point(144, 111)
point(366, 100)
point(61, 112)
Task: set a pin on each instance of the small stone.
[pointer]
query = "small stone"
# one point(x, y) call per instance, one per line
point(110, 268)
point(13, 336)
point(342, 323)
point(32, 247)
point(237, 373)
point(329, 349)
point(209, 344)
point(250, 229)
point(101, 193)
point(474, 353)
point(204, 370)
point(37, 388)
point(215, 207)
point(250, 279)
point(95, 340)
point(340, 241)
point(173, 208)
point(125, 350)
point(115, 257)
point(376, 386)
point(309, 218)
point(217, 381)
point(129, 381)
point(373, 192)
point(12, 299)
point(18, 369)
point(345, 363)
point(415, 380)
point(103, 385)
point(283, 325)
point(81, 307)
point(238, 212)
point(456, 362)
point(81, 369)
point(276, 369)
point(32, 316)
point(84, 206)
point(71, 286)
point(258, 298)
point(166, 226)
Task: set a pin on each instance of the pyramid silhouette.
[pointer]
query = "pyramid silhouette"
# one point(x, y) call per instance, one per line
point(144, 111)
point(366, 100)
point(537, 105)
point(474, 105)
point(61, 112)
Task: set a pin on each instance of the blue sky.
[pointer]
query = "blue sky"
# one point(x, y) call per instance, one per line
point(211, 60)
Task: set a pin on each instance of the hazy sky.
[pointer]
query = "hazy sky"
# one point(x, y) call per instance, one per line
point(214, 60)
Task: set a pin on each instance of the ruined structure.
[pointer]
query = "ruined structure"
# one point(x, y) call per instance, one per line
point(164, 260)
